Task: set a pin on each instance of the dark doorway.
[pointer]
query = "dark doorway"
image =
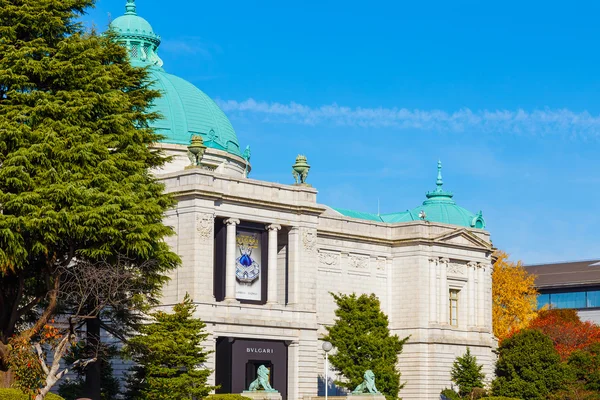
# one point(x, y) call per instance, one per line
point(237, 362)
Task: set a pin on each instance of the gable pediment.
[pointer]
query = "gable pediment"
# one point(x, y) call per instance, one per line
point(462, 237)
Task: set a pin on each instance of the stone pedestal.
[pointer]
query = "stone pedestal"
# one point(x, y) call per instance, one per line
point(262, 395)
point(365, 396)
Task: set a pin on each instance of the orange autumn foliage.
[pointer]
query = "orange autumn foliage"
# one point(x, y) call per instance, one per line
point(514, 296)
point(566, 330)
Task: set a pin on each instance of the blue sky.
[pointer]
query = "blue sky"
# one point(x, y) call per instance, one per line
point(374, 93)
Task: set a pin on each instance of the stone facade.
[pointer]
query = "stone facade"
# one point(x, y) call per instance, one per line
point(412, 267)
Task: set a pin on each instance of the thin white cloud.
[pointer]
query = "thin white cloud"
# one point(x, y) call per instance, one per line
point(538, 122)
point(190, 45)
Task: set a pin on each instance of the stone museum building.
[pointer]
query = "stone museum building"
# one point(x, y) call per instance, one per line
point(261, 258)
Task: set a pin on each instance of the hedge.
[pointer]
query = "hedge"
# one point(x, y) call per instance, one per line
point(498, 398)
point(225, 396)
point(449, 394)
point(15, 394)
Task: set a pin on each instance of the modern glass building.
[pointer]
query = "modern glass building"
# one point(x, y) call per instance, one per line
point(573, 284)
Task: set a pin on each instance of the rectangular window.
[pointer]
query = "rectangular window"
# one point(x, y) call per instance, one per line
point(567, 300)
point(543, 300)
point(454, 307)
point(593, 298)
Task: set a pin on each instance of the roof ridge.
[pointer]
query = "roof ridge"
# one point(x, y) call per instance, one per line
point(592, 260)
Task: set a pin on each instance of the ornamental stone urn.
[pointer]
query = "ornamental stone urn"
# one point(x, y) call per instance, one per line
point(300, 170)
point(196, 151)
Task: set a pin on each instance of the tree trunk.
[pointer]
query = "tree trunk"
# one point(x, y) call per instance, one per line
point(6, 379)
point(93, 376)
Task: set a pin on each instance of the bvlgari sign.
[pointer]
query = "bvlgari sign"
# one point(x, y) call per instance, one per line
point(247, 266)
point(261, 350)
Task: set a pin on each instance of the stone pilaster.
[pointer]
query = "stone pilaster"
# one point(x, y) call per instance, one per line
point(293, 264)
point(443, 291)
point(272, 264)
point(480, 295)
point(230, 259)
point(433, 289)
point(471, 301)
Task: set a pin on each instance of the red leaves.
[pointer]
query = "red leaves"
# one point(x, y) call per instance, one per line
point(566, 330)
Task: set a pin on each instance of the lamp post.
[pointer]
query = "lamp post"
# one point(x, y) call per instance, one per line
point(327, 348)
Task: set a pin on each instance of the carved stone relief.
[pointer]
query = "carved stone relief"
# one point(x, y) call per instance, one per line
point(358, 261)
point(329, 259)
point(204, 225)
point(457, 269)
point(381, 263)
point(309, 240)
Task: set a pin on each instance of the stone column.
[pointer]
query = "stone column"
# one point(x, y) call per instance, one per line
point(443, 291)
point(433, 290)
point(230, 259)
point(480, 295)
point(272, 284)
point(471, 301)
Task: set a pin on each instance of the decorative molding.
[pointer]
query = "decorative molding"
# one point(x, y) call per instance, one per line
point(472, 264)
point(358, 261)
point(232, 221)
point(204, 225)
point(445, 261)
point(381, 263)
point(329, 259)
point(457, 269)
point(309, 240)
point(434, 260)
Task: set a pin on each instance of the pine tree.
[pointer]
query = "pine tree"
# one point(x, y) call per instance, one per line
point(75, 157)
point(466, 373)
point(362, 341)
point(169, 357)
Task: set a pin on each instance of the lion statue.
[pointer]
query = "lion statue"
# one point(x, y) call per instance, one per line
point(368, 385)
point(262, 381)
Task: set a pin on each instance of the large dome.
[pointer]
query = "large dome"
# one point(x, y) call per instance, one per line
point(185, 110)
point(439, 207)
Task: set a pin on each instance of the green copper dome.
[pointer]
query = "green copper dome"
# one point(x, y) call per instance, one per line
point(439, 207)
point(185, 109)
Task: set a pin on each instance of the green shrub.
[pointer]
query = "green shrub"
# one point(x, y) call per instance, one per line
point(499, 398)
point(226, 396)
point(528, 366)
point(16, 394)
point(450, 394)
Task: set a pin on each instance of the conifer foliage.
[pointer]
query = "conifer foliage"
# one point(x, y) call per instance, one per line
point(466, 373)
point(528, 367)
point(75, 161)
point(169, 357)
point(362, 341)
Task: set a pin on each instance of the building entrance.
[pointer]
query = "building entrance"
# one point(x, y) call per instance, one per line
point(237, 362)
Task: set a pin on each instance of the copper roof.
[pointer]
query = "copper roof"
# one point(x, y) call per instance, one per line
point(575, 273)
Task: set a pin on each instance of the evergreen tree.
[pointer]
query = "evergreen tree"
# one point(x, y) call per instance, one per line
point(109, 385)
point(169, 357)
point(466, 373)
point(528, 367)
point(362, 340)
point(75, 156)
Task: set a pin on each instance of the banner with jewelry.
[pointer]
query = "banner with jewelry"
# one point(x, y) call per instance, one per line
point(248, 265)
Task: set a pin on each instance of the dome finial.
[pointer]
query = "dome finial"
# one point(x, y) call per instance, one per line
point(439, 181)
point(130, 8)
